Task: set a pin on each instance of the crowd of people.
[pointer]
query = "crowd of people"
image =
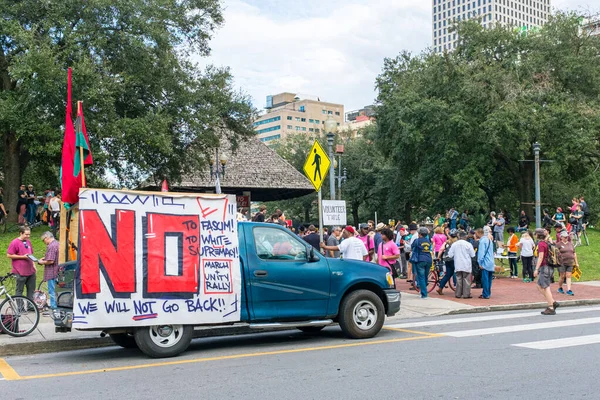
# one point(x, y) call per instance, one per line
point(462, 254)
point(32, 208)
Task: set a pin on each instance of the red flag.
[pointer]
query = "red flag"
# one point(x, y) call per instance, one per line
point(165, 186)
point(69, 184)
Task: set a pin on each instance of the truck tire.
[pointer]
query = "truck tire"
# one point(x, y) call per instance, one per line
point(161, 341)
point(125, 340)
point(361, 314)
point(311, 329)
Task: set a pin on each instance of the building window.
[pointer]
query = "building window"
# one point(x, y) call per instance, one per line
point(317, 130)
point(289, 118)
point(330, 112)
point(317, 121)
point(268, 138)
point(311, 130)
point(267, 121)
point(297, 128)
point(304, 129)
point(271, 129)
point(303, 119)
point(312, 121)
point(301, 109)
point(290, 127)
point(337, 113)
point(297, 119)
point(324, 111)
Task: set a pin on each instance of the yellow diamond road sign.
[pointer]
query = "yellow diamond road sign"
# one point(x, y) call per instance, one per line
point(316, 165)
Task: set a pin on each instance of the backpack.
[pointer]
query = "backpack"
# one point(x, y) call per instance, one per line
point(552, 259)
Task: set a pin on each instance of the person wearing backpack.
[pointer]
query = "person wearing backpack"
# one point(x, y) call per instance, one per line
point(543, 271)
point(567, 260)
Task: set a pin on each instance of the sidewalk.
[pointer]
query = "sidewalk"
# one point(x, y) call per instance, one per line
point(507, 294)
point(510, 294)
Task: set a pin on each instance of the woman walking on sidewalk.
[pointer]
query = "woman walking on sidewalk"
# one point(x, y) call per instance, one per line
point(527, 245)
point(567, 258)
point(544, 272)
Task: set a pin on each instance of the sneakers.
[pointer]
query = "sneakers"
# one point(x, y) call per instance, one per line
point(549, 311)
point(570, 293)
point(440, 291)
point(526, 280)
point(555, 305)
point(561, 291)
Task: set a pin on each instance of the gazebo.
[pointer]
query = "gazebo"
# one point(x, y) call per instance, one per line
point(252, 169)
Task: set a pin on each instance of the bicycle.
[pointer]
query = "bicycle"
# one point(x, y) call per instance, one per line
point(434, 277)
point(41, 297)
point(18, 315)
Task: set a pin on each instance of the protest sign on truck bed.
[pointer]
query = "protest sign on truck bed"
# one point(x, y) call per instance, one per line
point(150, 258)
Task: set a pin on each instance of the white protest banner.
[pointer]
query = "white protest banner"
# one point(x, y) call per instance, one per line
point(334, 212)
point(151, 258)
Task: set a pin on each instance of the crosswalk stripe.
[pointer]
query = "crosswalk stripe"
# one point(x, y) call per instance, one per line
point(560, 343)
point(482, 318)
point(521, 328)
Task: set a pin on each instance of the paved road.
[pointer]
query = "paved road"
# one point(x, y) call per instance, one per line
point(474, 356)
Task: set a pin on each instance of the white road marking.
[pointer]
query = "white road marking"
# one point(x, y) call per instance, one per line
point(560, 343)
point(521, 328)
point(481, 318)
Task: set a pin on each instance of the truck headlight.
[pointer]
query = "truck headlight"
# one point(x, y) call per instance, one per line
point(390, 279)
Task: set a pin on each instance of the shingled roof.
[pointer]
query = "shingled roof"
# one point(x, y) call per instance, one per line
point(253, 167)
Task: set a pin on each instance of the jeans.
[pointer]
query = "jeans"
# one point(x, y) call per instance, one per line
point(527, 267)
point(449, 274)
point(23, 281)
point(512, 260)
point(422, 273)
point(452, 224)
point(31, 211)
point(486, 282)
point(52, 292)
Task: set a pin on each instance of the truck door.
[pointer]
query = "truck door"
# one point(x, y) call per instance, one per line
point(283, 283)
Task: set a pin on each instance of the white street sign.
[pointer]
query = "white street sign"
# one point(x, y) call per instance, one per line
point(334, 212)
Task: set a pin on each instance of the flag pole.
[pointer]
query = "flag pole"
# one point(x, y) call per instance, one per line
point(83, 182)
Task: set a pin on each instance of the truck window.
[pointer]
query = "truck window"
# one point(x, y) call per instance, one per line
point(276, 244)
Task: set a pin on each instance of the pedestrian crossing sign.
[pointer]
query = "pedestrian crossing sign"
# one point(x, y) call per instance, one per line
point(316, 165)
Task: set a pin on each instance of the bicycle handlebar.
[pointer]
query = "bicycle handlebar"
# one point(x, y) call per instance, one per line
point(5, 277)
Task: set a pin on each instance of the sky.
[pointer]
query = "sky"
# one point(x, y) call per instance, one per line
point(333, 49)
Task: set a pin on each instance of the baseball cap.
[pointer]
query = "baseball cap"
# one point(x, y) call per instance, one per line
point(412, 227)
point(350, 229)
point(363, 226)
point(564, 234)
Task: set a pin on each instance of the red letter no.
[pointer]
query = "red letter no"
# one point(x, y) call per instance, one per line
point(113, 255)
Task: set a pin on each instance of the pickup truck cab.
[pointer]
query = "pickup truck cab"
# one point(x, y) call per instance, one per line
point(284, 283)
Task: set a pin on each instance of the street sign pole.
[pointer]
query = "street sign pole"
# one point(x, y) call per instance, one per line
point(320, 216)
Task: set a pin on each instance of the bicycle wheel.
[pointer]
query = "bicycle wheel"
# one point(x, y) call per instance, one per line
point(18, 316)
point(432, 281)
point(10, 284)
point(40, 296)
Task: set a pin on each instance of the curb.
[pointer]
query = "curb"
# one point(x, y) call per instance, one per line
point(60, 345)
point(522, 306)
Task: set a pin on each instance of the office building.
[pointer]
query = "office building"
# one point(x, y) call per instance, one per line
point(591, 25)
point(523, 14)
point(294, 113)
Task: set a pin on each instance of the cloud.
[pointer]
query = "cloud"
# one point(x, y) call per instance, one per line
point(333, 49)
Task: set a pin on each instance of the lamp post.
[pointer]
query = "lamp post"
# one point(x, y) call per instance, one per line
point(331, 128)
point(536, 154)
point(340, 178)
point(217, 170)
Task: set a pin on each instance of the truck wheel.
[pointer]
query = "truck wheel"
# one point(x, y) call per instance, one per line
point(160, 341)
point(311, 329)
point(125, 340)
point(361, 314)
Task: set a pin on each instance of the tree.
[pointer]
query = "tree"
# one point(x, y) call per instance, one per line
point(149, 111)
point(458, 126)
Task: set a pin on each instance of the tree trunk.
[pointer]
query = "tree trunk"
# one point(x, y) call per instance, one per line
point(526, 189)
point(12, 173)
point(355, 205)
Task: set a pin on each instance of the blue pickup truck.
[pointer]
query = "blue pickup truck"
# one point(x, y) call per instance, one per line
point(285, 283)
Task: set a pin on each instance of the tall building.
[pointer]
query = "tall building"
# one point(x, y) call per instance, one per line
point(591, 25)
point(292, 113)
point(523, 14)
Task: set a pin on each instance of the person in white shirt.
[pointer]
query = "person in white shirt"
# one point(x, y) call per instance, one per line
point(462, 252)
point(527, 245)
point(351, 247)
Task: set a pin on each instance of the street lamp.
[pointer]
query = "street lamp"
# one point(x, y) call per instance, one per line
point(340, 178)
point(331, 128)
point(217, 171)
point(536, 154)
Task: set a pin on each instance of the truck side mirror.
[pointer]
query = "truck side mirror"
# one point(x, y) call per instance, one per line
point(311, 255)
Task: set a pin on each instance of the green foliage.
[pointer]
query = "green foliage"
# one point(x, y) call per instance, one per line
point(457, 127)
point(149, 111)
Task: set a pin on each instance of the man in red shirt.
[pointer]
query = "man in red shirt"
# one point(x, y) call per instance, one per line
point(22, 266)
